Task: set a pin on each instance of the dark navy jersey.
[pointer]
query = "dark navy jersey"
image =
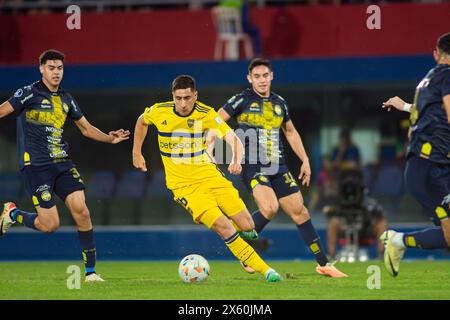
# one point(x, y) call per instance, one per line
point(41, 115)
point(430, 130)
point(259, 121)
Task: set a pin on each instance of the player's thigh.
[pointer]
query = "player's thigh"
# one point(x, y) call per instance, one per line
point(265, 199)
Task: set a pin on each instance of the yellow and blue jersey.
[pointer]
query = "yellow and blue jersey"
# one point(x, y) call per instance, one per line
point(263, 116)
point(430, 130)
point(182, 142)
point(41, 116)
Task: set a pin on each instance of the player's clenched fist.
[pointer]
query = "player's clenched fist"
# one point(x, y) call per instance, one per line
point(139, 162)
point(235, 168)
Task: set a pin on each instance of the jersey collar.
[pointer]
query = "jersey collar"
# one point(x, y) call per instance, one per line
point(43, 87)
point(253, 92)
point(175, 111)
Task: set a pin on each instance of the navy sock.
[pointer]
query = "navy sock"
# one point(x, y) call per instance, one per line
point(432, 238)
point(26, 218)
point(312, 240)
point(260, 221)
point(88, 250)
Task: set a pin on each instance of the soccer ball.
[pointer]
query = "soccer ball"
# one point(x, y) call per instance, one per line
point(193, 268)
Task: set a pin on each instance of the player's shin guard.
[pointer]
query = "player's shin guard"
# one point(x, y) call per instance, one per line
point(88, 250)
point(26, 218)
point(246, 254)
point(432, 238)
point(311, 238)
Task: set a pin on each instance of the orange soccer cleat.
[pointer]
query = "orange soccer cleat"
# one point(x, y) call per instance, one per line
point(331, 271)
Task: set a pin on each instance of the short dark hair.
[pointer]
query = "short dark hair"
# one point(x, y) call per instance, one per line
point(183, 82)
point(259, 62)
point(51, 54)
point(443, 43)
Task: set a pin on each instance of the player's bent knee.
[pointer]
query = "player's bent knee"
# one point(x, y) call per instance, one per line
point(223, 227)
point(248, 224)
point(269, 208)
point(300, 215)
point(50, 227)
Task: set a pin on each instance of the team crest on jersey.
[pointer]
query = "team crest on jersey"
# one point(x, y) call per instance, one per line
point(65, 107)
point(190, 123)
point(277, 109)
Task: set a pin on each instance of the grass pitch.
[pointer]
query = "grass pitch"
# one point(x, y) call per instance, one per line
point(159, 280)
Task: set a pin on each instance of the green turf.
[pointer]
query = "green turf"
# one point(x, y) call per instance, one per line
point(159, 280)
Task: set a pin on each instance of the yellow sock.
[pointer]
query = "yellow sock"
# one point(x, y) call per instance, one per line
point(246, 254)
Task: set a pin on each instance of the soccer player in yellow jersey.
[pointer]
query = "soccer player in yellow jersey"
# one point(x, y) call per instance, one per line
point(196, 182)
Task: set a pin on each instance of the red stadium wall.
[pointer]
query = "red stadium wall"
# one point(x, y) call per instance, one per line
point(169, 36)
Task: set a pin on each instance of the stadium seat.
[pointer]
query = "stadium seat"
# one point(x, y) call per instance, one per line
point(131, 185)
point(10, 186)
point(126, 207)
point(228, 22)
point(100, 189)
point(157, 186)
point(158, 204)
point(389, 181)
point(389, 186)
point(101, 185)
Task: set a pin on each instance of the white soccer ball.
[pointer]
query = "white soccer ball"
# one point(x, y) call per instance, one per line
point(193, 268)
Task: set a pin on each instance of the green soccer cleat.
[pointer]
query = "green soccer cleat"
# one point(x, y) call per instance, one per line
point(392, 254)
point(5, 219)
point(249, 235)
point(273, 276)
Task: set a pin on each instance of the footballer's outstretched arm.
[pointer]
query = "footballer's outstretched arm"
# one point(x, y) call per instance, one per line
point(397, 103)
point(5, 109)
point(447, 106)
point(235, 143)
point(293, 137)
point(140, 132)
point(91, 132)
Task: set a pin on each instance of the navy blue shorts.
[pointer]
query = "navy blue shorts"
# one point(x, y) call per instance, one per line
point(429, 183)
point(41, 182)
point(282, 182)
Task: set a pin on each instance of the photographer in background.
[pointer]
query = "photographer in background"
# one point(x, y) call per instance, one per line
point(355, 214)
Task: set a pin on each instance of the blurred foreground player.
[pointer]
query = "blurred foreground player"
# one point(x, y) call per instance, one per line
point(427, 172)
point(196, 182)
point(46, 167)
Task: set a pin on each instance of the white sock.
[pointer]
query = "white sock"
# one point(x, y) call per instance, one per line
point(397, 240)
